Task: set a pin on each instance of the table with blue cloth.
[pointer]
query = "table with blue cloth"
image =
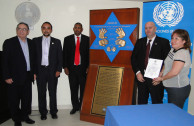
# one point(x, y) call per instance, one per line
point(147, 115)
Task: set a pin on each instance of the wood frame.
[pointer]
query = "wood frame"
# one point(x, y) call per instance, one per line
point(99, 58)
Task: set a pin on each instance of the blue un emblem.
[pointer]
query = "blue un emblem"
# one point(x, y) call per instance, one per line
point(168, 13)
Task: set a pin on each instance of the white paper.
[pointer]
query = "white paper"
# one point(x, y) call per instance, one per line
point(153, 68)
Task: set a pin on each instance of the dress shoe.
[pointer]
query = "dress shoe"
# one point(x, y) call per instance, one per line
point(54, 116)
point(17, 124)
point(29, 121)
point(43, 117)
point(73, 111)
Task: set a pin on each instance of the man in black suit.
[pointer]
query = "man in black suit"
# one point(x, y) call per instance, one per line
point(18, 66)
point(75, 63)
point(48, 69)
point(158, 49)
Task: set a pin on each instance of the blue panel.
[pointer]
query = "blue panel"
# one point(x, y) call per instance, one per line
point(168, 16)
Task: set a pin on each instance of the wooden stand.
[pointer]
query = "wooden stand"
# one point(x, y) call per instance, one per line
point(99, 58)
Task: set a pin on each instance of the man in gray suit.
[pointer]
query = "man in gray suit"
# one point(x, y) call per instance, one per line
point(48, 69)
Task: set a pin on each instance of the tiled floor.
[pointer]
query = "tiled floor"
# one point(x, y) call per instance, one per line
point(64, 119)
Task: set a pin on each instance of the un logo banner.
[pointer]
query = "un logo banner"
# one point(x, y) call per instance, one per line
point(168, 14)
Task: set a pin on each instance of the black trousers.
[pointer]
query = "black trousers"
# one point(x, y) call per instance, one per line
point(178, 96)
point(18, 99)
point(45, 77)
point(156, 92)
point(77, 79)
point(30, 100)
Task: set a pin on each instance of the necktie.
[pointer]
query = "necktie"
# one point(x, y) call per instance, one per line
point(147, 53)
point(77, 53)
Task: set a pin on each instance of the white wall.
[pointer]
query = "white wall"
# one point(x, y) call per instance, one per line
point(63, 14)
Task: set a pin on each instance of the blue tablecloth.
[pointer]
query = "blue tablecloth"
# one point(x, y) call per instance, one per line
point(147, 115)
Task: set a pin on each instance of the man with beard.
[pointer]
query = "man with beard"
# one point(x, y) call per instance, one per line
point(48, 69)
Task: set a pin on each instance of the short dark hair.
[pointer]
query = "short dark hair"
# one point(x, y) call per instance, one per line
point(78, 23)
point(184, 35)
point(23, 24)
point(47, 23)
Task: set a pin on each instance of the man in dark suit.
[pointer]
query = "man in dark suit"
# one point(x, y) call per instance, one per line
point(48, 69)
point(18, 66)
point(75, 63)
point(157, 48)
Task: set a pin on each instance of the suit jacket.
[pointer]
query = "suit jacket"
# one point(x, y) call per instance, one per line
point(55, 55)
point(159, 50)
point(14, 63)
point(69, 52)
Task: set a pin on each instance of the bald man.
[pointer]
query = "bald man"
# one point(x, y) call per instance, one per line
point(150, 46)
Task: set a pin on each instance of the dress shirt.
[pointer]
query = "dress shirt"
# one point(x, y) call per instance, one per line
point(45, 50)
point(25, 50)
point(151, 43)
point(80, 44)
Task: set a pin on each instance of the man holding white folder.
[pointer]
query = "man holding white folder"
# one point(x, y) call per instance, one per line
point(154, 47)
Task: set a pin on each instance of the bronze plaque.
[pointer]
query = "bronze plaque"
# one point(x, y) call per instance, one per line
point(107, 89)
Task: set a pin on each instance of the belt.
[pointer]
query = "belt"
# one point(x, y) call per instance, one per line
point(44, 66)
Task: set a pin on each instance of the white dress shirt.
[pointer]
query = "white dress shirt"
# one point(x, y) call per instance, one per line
point(45, 50)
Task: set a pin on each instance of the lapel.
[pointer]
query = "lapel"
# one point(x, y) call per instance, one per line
point(40, 47)
point(19, 47)
point(73, 43)
point(29, 49)
point(144, 45)
point(52, 44)
point(81, 43)
point(154, 45)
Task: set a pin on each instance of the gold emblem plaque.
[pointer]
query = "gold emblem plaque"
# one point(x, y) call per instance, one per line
point(107, 89)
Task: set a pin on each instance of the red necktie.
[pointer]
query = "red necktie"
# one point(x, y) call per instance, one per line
point(147, 53)
point(77, 53)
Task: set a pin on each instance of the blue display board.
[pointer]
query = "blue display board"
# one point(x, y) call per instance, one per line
point(112, 36)
point(168, 16)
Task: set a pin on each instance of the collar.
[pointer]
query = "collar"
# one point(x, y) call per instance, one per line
point(174, 51)
point(46, 37)
point(77, 36)
point(151, 38)
point(21, 39)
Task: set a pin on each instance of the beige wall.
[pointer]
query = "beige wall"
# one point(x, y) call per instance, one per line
point(62, 14)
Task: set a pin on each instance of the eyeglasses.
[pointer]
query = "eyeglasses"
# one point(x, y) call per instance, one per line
point(22, 29)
